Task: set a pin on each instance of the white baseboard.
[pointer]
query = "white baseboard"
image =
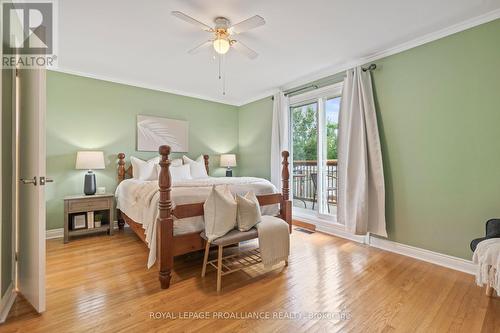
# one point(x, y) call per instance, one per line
point(59, 232)
point(6, 303)
point(335, 229)
point(339, 231)
point(54, 233)
point(436, 258)
point(332, 228)
point(329, 227)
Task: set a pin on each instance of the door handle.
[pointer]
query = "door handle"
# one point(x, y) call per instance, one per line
point(44, 180)
point(28, 181)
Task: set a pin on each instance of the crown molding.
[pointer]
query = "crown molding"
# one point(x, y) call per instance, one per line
point(267, 93)
point(331, 70)
point(430, 37)
point(140, 84)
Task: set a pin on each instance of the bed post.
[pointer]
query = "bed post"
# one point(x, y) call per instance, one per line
point(286, 204)
point(121, 167)
point(165, 223)
point(205, 157)
point(121, 176)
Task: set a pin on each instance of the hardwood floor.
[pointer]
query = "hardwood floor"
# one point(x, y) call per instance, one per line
point(101, 284)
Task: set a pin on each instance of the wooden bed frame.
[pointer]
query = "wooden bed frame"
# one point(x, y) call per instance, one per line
point(168, 246)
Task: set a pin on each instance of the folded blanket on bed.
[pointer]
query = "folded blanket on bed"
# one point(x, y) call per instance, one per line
point(146, 192)
point(487, 259)
point(274, 240)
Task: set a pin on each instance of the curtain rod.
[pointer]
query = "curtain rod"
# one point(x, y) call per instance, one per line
point(370, 68)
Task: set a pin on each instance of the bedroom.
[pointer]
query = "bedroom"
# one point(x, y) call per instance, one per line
point(434, 83)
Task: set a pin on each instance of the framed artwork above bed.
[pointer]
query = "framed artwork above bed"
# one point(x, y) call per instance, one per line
point(153, 132)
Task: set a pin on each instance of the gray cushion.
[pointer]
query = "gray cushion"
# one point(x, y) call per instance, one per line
point(233, 237)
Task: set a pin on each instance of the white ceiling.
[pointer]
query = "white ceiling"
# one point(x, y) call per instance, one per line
point(141, 43)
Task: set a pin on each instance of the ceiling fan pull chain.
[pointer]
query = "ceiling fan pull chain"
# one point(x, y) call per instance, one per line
point(223, 76)
point(220, 56)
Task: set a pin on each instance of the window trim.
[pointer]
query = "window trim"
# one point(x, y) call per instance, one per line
point(318, 96)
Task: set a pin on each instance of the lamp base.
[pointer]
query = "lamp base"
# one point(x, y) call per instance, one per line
point(89, 187)
point(229, 172)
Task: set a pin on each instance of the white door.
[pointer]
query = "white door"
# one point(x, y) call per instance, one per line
point(31, 200)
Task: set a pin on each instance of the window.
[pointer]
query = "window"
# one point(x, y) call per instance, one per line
point(314, 128)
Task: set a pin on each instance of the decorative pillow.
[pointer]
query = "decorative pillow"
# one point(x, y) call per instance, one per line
point(179, 173)
point(173, 163)
point(198, 169)
point(248, 211)
point(176, 162)
point(145, 170)
point(220, 212)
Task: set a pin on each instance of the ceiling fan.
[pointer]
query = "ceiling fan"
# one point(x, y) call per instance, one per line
point(224, 34)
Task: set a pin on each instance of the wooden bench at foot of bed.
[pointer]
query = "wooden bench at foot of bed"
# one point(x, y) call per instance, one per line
point(168, 245)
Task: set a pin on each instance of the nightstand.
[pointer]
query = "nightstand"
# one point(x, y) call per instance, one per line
point(80, 212)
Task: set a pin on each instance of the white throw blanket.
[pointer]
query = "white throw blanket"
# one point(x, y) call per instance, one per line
point(487, 259)
point(274, 240)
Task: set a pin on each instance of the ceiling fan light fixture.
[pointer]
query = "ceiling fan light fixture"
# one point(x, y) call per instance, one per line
point(221, 45)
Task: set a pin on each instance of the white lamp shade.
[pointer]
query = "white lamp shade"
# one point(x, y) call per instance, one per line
point(228, 160)
point(89, 160)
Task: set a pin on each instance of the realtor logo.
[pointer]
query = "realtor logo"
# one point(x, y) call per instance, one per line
point(28, 33)
point(27, 28)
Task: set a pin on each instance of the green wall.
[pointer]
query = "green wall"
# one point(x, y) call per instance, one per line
point(439, 118)
point(6, 179)
point(255, 120)
point(84, 113)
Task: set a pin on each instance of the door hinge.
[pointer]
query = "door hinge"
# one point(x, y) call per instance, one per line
point(17, 71)
point(16, 256)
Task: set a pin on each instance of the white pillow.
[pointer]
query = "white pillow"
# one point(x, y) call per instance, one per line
point(176, 162)
point(179, 173)
point(220, 212)
point(145, 170)
point(173, 163)
point(198, 169)
point(248, 211)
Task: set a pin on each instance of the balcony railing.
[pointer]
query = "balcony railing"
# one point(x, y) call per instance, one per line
point(305, 180)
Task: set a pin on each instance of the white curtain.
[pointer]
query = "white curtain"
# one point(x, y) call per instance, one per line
point(361, 189)
point(279, 136)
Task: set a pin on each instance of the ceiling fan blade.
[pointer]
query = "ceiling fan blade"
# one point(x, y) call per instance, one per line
point(200, 47)
point(189, 19)
point(240, 47)
point(248, 24)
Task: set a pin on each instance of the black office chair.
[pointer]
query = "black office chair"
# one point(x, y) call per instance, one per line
point(492, 231)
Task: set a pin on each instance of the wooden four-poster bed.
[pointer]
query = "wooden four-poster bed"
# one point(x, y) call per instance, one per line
point(170, 245)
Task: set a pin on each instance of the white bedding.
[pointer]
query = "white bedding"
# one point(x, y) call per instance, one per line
point(138, 199)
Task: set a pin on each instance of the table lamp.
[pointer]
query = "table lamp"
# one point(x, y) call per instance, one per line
point(89, 160)
point(228, 161)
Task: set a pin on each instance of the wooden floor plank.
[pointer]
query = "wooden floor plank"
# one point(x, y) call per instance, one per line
point(101, 284)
